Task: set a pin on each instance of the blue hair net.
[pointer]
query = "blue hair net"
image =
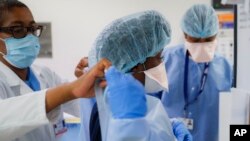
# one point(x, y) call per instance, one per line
point(130, 40)
point(200, 21)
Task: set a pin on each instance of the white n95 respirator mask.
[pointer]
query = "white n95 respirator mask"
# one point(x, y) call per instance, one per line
point(201, 52)
point(156, 79)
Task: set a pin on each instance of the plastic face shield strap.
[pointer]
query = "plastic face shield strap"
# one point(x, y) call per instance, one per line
point(103, 111)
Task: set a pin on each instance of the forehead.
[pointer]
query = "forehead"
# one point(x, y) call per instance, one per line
point(20, 15)
point(193, 39)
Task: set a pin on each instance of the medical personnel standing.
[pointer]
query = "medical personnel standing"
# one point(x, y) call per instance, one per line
point(133, 44)
point(197, 74)
point(29, 107)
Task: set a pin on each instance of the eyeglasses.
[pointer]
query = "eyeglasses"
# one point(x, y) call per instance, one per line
point(21, 31)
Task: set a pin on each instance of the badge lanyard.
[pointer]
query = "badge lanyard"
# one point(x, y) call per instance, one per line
point(203, 81)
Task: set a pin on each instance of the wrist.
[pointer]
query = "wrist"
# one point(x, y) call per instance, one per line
point(69, 91)
point(58, 95)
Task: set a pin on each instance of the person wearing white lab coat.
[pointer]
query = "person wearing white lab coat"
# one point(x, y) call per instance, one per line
point(23, 108)
point(31, 96)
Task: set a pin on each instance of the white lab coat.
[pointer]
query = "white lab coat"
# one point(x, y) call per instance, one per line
point(155, 126)
point(22, 112)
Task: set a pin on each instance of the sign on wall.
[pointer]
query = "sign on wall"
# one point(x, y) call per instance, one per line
point(46, 41)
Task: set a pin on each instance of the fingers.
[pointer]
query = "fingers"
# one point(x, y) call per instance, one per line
point(83, 63)
point(104, 64)
point(84, 84)
point(78, 72)
point(101, 67)
point(81, 66)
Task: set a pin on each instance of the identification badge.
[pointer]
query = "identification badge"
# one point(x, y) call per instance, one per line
point(60, 128)
point(188, 122)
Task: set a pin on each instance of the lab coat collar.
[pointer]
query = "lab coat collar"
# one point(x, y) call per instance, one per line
point(8, 75)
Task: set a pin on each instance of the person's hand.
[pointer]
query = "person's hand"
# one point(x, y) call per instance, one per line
point(81, 66)
point(180, 130)
point(83, 87)
point(125, 95)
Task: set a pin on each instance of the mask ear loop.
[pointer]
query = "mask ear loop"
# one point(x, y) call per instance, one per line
point(0, 51)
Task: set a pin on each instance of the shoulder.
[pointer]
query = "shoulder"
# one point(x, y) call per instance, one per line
point(173, 51)
point(222, 73)
point(222, 67)
point(46, 74)
point(221, 61)
point(173, 55)
point(41, 70)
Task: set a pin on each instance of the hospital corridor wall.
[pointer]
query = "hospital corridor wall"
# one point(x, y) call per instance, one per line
point(76, 23)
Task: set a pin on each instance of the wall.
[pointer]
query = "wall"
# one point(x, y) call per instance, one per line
point(76, 23)
point(243, 48)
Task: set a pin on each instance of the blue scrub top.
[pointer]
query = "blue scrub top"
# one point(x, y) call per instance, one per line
point(204, 111)
point(32, 81)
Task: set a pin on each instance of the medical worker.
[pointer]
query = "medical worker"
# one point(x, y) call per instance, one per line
point(134, 44)
point(197, 74)
point(29, 107)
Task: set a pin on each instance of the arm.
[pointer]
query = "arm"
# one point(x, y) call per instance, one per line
point(83, 87)
point(134, 117)
point(22, 114)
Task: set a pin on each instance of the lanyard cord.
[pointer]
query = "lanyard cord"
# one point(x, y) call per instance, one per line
point(203, 81)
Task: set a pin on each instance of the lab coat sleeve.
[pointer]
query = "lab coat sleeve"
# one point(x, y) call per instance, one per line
point(21, 114)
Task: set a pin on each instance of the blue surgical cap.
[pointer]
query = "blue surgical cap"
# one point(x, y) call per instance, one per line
point(200, 21)
point(130, 40)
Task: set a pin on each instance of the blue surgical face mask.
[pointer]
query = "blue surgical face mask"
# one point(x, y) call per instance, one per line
point(21, 53)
